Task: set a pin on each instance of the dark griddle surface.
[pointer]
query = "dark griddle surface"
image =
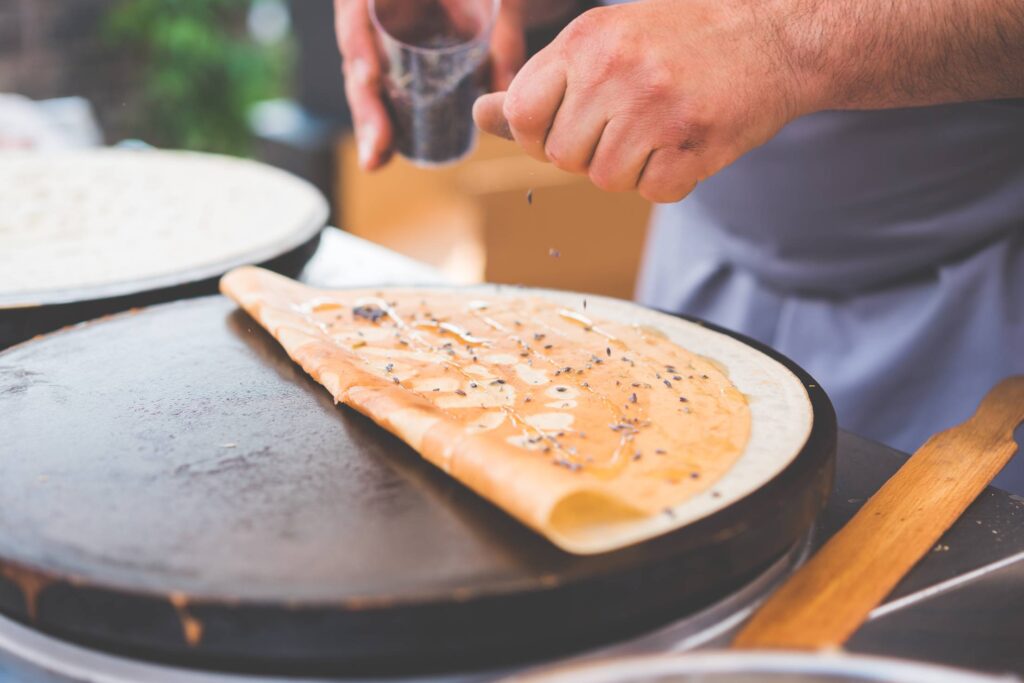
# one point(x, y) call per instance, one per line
point(128, 521)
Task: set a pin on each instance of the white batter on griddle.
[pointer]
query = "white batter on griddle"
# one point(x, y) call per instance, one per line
point(74, 220)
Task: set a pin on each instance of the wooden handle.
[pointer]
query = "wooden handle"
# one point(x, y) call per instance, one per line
point(827, 599)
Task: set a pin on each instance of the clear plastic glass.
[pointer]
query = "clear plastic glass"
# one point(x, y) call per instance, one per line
point(434, 55)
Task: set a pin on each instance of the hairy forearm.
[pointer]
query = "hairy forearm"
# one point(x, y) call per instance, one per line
point(871, 54)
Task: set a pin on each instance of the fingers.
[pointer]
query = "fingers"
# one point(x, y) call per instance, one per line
point(624, 161)
point(620, 157)
point(669, 175)
point(573, 139)
point(489, 115)
point(533, 100)
point(362, 69)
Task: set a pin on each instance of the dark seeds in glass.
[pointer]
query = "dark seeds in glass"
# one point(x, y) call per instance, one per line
point(430, 99)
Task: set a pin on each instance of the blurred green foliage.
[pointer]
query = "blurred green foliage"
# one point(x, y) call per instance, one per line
point(200, 71)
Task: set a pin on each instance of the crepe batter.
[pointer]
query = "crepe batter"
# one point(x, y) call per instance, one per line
point(90, 218)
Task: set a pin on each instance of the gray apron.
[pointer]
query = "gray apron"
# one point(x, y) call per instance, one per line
point(882, 251)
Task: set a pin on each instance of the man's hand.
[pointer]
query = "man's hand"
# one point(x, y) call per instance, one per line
point(658, 95)
point(651, 96)
point(363, 71)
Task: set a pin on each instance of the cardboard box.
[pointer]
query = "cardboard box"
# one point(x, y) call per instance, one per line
point(473, 220)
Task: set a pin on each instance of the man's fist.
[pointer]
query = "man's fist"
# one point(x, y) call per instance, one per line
point(651, 96)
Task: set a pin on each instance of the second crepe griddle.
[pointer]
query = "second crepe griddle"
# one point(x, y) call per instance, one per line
point(173, 486)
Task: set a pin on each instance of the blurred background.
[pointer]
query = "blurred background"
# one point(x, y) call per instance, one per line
point(262, 78)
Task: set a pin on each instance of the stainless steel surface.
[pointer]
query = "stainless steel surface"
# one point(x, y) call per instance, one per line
point(758, 667)
point(963, 605)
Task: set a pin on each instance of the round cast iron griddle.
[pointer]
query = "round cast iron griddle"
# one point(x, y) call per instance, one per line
point(173, 486)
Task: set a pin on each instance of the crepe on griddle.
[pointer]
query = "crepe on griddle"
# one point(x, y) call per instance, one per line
point(582, 429)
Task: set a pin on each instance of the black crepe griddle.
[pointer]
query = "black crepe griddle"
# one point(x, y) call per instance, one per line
point(172, 486)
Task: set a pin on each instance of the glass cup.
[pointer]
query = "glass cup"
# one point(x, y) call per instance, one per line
point(434, 55)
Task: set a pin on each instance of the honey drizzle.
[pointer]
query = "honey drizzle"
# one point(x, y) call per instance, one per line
point(417, 337)
point(607, 470)
point(614, 466)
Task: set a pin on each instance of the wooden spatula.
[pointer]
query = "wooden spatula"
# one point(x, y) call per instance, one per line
point(827, 599)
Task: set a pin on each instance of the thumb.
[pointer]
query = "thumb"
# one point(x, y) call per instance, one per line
point(489, 115)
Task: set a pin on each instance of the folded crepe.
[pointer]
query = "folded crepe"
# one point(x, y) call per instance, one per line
point(592, 432)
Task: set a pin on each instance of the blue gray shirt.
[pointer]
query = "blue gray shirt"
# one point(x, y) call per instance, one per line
point(882, 251)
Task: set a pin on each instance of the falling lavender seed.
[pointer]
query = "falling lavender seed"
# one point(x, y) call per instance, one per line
point(529, 196)
point(554, 253)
